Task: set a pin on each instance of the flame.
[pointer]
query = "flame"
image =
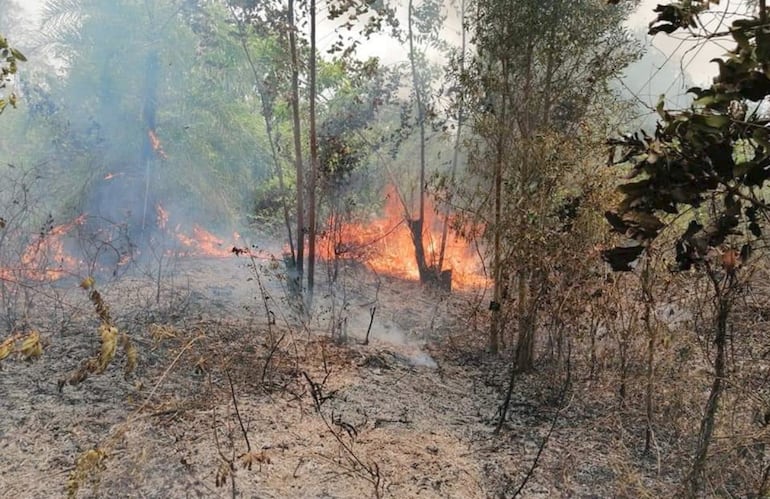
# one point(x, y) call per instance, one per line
point(385, 243)
point(111, 175)
point(201, 242)
point(204, 243)
point(156, 145)
point(161, 217)
point(45, 259)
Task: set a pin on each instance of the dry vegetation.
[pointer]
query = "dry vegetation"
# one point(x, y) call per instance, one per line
point(180, 376)
point(236, 393)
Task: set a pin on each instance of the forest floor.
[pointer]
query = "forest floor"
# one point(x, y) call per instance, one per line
point(230, 399)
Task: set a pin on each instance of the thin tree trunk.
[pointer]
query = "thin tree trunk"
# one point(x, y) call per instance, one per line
point(495, 325)
point(456, 152)
point(694, 480)
point(525, 345)
point(299, 262)
point(313, 159)
point(151, 71)
point(267, 114)
point(417, 225)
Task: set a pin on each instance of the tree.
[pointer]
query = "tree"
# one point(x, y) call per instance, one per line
point(539, 72)
point(167, 91)
point(313, 155)
point(700, 176)
point(297, 135)
point(267, 89)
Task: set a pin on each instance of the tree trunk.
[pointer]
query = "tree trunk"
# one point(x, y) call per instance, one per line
point(694, 480)
point(456, 151)
point(299, 261)
point(525, 345)
point(313, 159)
point(495, 324)
point(267, 115)
point(152, 70)
point(416, 226)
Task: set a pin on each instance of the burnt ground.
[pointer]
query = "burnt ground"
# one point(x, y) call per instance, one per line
point(411, 414)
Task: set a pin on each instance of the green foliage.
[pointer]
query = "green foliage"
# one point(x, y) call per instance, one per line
point(715, 154)
point(9, 59)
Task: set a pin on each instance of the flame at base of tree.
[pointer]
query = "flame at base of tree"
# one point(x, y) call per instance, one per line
point(385, 244)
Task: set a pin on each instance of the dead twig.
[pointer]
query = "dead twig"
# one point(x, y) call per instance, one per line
point(562, 398)
point(369, 471)
point(372, 311)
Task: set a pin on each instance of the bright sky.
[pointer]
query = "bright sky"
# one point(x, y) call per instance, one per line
point(691, 55)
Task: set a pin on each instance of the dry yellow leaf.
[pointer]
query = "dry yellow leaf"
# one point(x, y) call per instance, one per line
point(132, 356)
point(6, 347)
point(109, 336)
point(87, 283)
point(31, 347)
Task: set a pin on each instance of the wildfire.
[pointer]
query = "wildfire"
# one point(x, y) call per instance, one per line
point(204, 243)
point(45, 258)
point(386, 245)
point(111, 176)
point(156, 145)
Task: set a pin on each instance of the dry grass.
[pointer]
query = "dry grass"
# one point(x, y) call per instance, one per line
point(418, 404)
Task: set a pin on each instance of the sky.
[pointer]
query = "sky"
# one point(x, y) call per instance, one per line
point(690, 56)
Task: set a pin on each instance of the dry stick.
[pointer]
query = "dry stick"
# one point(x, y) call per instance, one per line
point(562, 397)
point(168, 370)
point(503, 410)
point(266, 295)
point(229, 461)
point(373, 470)
point(237, 412)
point(371, 321)
point(763, 488)
point(270, 355)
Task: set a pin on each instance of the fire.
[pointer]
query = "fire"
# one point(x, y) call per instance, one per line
point(386, 245)
point(156, 145)
point(204, 243)
point(161, 217)
point(45, 258)
point(111, 175)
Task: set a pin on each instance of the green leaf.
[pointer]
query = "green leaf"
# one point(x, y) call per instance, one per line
point(18, 55)
point(706, 100)
point(715, 120)
point(660, 106)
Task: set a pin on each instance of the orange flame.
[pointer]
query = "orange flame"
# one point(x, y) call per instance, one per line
point(111, 176)
point(386, 245)
point(45, 258)
point(204, 243)
point(161, 216)
point(156, 145)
